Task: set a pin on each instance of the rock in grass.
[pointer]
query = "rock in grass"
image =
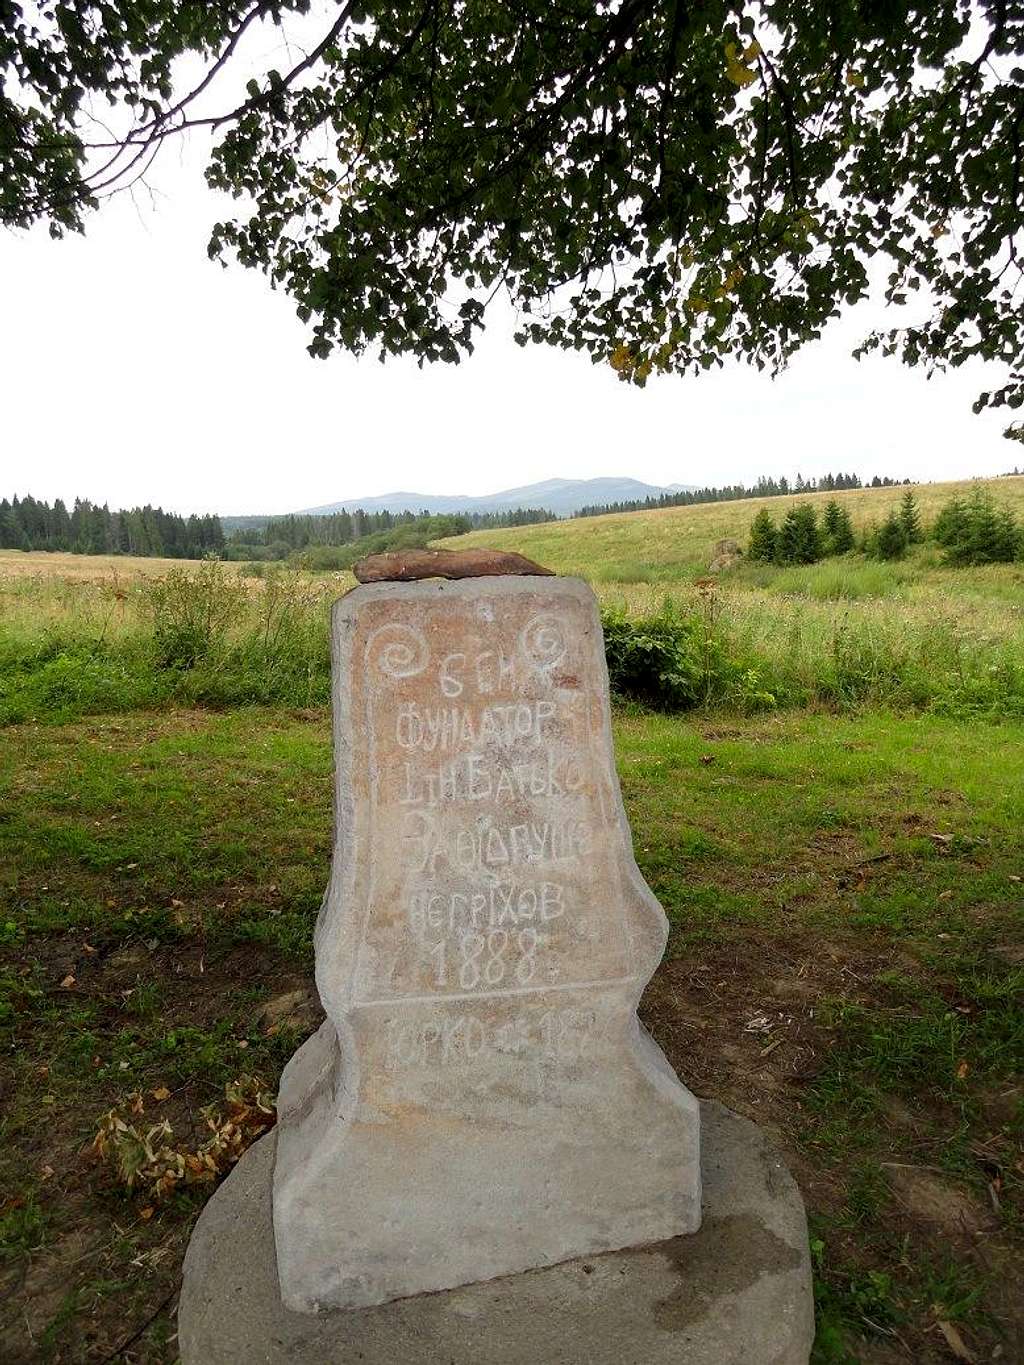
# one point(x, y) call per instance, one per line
point(726, 554)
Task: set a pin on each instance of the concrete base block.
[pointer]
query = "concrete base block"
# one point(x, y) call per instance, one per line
point(738, 1292)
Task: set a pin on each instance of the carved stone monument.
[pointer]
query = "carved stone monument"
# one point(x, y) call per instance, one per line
point(482, 1099)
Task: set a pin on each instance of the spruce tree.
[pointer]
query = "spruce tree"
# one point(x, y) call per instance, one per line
point(837, 528)
point(763, 535)
point(842, 540)
point(977, 531)
point(799, 539)
point(890, 540)
point(910, 518)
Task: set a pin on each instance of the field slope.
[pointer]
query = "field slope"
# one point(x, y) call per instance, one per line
point(674, 544)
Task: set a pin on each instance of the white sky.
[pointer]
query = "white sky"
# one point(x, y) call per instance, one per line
point(132, 370)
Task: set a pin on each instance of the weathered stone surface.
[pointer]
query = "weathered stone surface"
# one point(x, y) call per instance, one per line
point(481, 1099)
point(738, 1292)
point(405, 566)
point(726, 554)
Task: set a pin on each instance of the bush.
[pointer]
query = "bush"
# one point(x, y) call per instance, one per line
point(838, 528)
point(799, 538)
point(190, 610)
point(975, 530)
point(888, 541)
point(763, 537)
point(674, 663)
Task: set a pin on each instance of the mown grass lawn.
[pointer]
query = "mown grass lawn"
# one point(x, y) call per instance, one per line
point(845, 966)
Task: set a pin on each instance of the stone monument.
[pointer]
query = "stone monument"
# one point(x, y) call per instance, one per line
point(482, 1100)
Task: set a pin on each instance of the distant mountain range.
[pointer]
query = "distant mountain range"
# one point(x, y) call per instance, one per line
point(563, 497)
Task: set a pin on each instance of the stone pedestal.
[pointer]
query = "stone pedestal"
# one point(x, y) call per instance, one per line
point(481, 1099)
point(481, 1155)
point(738, 1292)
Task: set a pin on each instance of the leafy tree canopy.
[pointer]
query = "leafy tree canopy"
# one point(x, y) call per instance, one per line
point(659, 184)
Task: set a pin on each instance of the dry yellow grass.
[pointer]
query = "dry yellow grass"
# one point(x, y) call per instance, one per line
point(82, 568)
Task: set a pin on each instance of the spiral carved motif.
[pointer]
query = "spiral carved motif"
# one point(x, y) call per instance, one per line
point(543, 642)
point(398, 651)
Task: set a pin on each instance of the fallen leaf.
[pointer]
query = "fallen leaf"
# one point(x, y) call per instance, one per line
point(955, 1341)
point(46, 1172)
point(147, 1212)
point(68, 982)
point(176, 903)
point(160, 1093)
point(88, 948)
point(962, 1071)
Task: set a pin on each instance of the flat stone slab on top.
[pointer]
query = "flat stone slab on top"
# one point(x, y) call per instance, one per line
point(736, 1293)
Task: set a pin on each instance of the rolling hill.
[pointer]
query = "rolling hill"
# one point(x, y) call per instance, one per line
point(563, 497)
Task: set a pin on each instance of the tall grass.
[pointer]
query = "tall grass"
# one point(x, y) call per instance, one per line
point(195, 635)
point(831, 635)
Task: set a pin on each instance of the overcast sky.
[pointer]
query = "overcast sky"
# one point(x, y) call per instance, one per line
point(132, 369)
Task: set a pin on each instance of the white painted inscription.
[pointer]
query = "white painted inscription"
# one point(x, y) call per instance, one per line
point(481, 1098)
point(484, 780)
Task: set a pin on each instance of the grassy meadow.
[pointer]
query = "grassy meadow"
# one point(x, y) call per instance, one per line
point(835, 832)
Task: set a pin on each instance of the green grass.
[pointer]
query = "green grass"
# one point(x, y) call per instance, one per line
point(833, 969)
point(834, 830)
point(841, 634)
point(846, 632)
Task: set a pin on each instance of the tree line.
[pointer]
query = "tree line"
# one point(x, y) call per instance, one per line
point(764, 488)
point(281, 536)
point(89, 529)
point(970, 530)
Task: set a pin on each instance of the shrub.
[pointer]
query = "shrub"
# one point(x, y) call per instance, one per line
point(910, 519)
point(191, 609)
point(837, 528)
point(888, 541)
point(656, 661)
point(673, 662)
point(799, 538)
point(975, 530)
point(763, 535)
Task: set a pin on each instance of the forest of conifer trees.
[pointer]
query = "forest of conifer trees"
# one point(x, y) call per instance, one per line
point(89, 529)
point(764, 488)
